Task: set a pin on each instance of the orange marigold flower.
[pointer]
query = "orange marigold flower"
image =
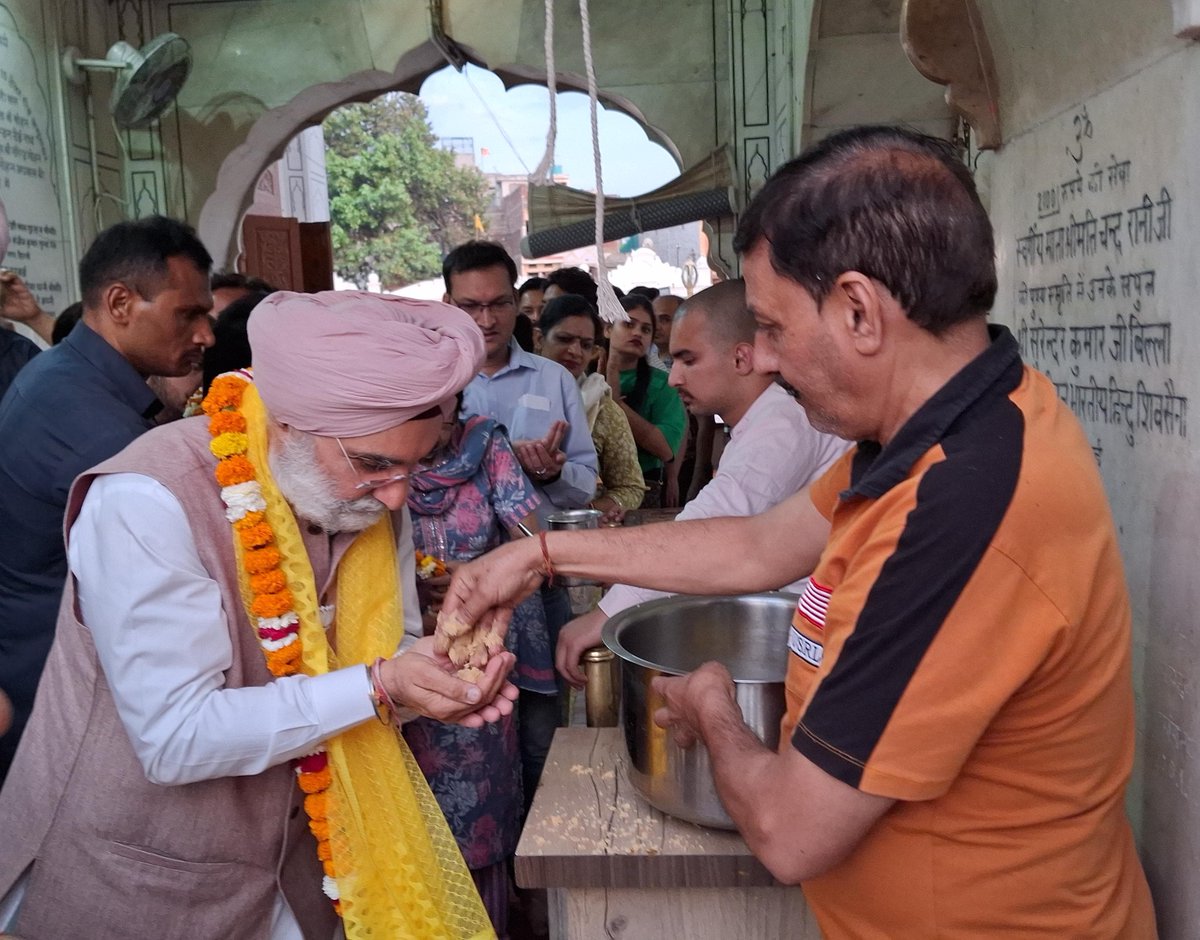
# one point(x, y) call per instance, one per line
point(234, 470)
point(269, 582)
point(337, 906)
point(261, 559)
point(316, 805)
point(225, 421)
point(320, 830)
point(228, 444)
point(316, 782)
point(272, 605)
point(225, 392)
point(255, 536)
point(284, 662)
point(324, 853)
point(328, 866)
point(250, 519)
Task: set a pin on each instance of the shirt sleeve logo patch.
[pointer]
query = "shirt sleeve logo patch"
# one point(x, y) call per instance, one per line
point(814, 603)
point(809, 650)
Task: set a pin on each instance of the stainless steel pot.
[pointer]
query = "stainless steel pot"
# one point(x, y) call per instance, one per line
point(574, 519)
point(672, 636)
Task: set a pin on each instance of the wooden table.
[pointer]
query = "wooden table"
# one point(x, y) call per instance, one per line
point(616, 867)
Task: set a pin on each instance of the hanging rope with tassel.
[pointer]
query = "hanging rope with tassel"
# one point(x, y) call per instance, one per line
point(610, 308)
point(543, 172)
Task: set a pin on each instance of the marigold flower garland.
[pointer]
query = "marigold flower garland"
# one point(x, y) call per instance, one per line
point(272, 604)
point(429, 566)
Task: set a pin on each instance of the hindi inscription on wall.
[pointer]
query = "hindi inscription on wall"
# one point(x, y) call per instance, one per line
point(1088, 260)
point(28, 173)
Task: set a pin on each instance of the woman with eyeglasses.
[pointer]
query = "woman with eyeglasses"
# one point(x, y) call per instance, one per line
point(567, 332)
point(464, 498)
point(654, 411)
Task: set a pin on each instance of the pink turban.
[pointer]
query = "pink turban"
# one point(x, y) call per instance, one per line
point(349, 363)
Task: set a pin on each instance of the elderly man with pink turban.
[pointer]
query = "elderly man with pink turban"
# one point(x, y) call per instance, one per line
point(213, 748)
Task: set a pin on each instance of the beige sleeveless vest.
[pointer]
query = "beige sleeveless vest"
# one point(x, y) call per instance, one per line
point(117, 856)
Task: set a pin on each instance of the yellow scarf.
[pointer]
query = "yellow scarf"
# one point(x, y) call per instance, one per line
point(399, 872)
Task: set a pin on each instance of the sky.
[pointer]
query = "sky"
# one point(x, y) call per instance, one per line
point(459, 106)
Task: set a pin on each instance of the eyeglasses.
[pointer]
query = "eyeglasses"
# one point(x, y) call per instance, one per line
point(471, 308)
point(370, 484)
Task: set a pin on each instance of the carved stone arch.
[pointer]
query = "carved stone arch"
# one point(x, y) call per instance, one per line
point(219, 224)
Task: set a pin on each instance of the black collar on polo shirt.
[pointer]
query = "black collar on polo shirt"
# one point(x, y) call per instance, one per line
point(995, 371)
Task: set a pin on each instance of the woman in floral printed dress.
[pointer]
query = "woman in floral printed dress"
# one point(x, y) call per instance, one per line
point(463, 500)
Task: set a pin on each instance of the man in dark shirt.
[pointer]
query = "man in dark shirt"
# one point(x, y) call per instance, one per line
point(15, 352)
point(18, 305)
point(146, 301)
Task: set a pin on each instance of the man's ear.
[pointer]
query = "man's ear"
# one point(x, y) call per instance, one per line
point(538, 339)
point(743, 358)
point(861, 308)
point(117, 300)
point(446, 299)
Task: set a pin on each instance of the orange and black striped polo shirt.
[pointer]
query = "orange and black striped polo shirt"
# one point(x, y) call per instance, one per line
point(964, 648)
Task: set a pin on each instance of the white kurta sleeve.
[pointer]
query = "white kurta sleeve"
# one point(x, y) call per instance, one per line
point(163, 641)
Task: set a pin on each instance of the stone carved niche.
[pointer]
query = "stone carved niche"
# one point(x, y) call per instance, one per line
point(946, 42)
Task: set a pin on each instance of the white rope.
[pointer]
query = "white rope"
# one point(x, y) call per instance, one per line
point(609, 307)
point(544, 170)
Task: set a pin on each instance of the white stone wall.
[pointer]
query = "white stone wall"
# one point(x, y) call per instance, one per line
point(1095, 208)
point(32, 181)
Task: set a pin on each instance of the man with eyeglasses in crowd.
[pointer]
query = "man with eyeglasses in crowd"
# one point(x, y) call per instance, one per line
point(539, 404)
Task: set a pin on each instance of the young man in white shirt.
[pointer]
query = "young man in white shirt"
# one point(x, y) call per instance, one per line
point(773, 450)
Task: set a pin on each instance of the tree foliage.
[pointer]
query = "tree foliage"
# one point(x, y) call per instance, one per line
point(397, 203)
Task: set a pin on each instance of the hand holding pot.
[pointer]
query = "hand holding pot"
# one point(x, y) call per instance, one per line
point(692, 704)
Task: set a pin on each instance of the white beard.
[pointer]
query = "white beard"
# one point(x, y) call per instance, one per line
point(293, 460)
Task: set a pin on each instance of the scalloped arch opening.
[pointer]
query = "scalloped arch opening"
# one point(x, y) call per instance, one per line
point(219, 224)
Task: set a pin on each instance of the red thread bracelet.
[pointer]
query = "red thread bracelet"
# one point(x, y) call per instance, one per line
point(550, 572)
point(383, 698)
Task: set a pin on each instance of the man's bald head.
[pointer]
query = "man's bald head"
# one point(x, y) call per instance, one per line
point(665, 306)
point(723, 309)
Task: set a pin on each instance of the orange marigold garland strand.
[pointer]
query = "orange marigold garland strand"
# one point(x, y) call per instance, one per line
point(277, 623)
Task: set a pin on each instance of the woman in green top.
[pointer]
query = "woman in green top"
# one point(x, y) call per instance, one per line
point(656, 415)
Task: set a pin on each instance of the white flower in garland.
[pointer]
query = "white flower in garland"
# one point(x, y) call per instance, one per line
point(242, 498)
point(330, 887)
point(282, 622)
point(280, 643)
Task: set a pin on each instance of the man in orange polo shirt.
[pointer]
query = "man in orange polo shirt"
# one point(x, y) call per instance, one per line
point(960, 724)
